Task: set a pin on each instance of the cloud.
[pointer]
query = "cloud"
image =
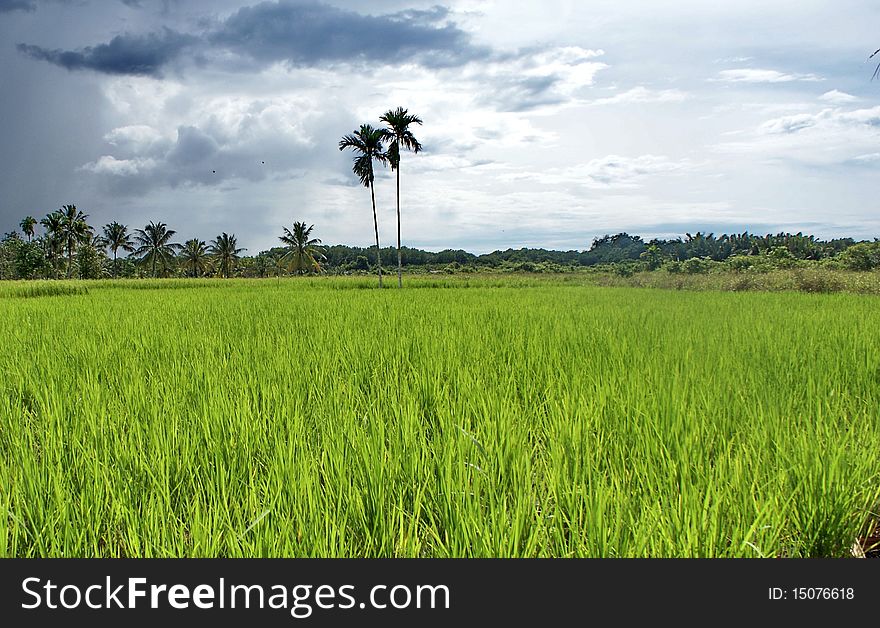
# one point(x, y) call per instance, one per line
point(531, 79)
point(125, 54)
point(7, 6)
point(610, 171)
point(310, 33)
point(750, 75)
point(136, 139)
point(108, 164)
point(830, 138)
point(866, 159)
point(837, 97)
point(296, 33)
point(617, 171)
point(642, 94)
point(826, 118)
point(790, 124)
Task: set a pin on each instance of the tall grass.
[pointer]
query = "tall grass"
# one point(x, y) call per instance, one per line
point(294, 418)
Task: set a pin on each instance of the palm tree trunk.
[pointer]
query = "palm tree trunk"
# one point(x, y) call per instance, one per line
point(376, 226)
point(115, 269)
point(399, 263)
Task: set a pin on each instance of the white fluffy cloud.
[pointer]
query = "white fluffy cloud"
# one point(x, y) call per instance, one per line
point(838, 97)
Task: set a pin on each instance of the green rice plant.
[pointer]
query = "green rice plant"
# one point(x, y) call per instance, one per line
point(463, 416)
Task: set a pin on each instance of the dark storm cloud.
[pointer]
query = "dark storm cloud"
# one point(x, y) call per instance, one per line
point(16, 5)
point(125, 54)
point(299, 33)
point(308, 33)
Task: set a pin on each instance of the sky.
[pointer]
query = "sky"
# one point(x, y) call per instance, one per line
point(545, 124)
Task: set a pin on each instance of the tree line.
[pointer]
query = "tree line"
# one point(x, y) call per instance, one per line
point(70, 248)
point(64, 245)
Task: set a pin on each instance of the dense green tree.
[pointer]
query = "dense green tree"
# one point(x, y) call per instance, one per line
point(303, 251)
point(90, 258)
point(262, 265)
point(225, 253)
point(367, 145)
point(154, 246)
point(398, 133)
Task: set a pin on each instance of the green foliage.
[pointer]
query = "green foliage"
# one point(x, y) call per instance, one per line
point(195, 258)
point(89, 262)
point(862, 256)
point(696, 265)
point(225, 253)
point(612, 249)
point(652, 257)
point(155, 248)
point(304, 253)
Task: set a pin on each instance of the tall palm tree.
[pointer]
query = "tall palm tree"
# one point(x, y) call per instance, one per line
point(367, 145)
point(52, 239)
point(397, 123)
point(154, 245)
point(27, 226)
point(303, 251)
point(117, 237)
point(74, 231)
point(223, 249)
point(195, 257)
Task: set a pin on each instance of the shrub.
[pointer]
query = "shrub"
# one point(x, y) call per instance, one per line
point(861, 256)
point(696, 266)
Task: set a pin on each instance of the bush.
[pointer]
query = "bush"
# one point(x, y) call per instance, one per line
point(696, 266)
point(781, 257)
point(740, 262)
point(672, 266)
point(861, 256)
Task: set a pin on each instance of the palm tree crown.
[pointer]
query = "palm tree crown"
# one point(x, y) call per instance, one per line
point(367, 145)
point(397, 131)
point(52, 240)
point(195, 257)
point(74, 230)
point(117, 237)
point(224, 250)
point(27, 226)
point(397, 123)
point(154, 244)
point(303, 251)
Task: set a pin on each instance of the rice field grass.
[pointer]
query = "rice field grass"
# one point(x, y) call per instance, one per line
point(458, 417)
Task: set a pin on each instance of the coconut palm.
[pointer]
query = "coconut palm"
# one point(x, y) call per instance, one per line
point(397, 122)
point(117, 237)
point(303, 251)
point(194, 257)
point(223, 249)
point(27, 225)
point(262, 263)
point(52, 240)
point(367, 145)
point(154, 245)
point(74, 231)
